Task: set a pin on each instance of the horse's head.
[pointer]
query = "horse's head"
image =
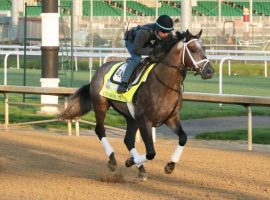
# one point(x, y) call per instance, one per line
point(193, 55)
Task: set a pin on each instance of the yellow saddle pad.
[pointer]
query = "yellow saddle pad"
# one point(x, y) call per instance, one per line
point(112, 79)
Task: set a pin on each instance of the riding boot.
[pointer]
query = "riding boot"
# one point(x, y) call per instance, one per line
point(122, 87)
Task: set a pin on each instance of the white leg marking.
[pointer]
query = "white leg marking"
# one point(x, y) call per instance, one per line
point(107, 147)
point(177, 153)
point(138, 159)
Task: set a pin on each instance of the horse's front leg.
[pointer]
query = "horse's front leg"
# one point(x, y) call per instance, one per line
point(129, 140)
point(175, 125)
point(146, 134)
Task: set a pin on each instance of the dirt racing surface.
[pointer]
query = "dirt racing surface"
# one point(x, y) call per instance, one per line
point(49, 166)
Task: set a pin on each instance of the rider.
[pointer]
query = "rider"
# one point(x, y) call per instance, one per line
point(145, 40)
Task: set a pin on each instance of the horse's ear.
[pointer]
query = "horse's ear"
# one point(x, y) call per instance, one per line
point(199, 34)
point(180, 35)
point(188, 35)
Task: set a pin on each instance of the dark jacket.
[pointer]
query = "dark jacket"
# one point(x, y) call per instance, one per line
point(145, 39)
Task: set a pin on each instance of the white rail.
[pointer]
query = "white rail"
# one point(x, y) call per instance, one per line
point(263, 56)
point(103, 52)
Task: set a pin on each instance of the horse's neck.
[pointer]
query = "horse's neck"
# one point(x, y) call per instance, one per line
point(169, 68)
point(173, 60)
point(174, 57)
point(168, 72)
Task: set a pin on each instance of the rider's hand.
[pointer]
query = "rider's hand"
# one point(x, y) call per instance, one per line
point(157, 50)
point(157, 53)
point(157, 57)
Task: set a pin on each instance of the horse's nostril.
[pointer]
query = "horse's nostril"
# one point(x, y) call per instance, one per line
point(210, 71)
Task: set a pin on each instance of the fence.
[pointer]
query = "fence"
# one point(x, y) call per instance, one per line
point(243, 100)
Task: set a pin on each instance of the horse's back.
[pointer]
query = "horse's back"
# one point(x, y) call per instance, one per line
point(98, 79)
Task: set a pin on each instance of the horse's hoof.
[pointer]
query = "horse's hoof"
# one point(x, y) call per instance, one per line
point(130, 162)
point(111, 166)
point(112, 163)
point(169, 168)
point(142, 173)
point(143, 176)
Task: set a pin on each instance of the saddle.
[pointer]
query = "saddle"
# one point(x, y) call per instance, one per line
point(113, 78)
point(140, 69)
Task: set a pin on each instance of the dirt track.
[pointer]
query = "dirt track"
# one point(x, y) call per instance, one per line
point(44, 166)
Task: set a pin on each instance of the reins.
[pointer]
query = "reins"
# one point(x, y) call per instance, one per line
point(176, 90)
point(172, 66)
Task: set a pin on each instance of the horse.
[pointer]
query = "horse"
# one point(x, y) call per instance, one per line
point(158, 101)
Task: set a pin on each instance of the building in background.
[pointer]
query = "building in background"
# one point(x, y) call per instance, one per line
point(97, 21)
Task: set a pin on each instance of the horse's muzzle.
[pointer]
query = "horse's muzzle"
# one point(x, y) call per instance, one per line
point(208, 71)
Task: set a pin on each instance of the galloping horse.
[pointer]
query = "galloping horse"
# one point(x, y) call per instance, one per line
point(158, 101)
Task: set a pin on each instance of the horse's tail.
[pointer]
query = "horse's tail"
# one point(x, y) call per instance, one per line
point(78, 104)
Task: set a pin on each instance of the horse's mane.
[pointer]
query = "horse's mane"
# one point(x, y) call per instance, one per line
point(173, 40)
point(170, 44)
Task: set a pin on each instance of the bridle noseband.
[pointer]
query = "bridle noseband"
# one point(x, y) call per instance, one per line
point(186, 49)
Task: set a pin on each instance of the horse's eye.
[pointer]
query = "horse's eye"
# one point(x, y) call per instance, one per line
point(194, 50)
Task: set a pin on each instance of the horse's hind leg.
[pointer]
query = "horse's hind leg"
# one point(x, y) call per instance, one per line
point(129, 140)
point(175, 125)
point(100, 113)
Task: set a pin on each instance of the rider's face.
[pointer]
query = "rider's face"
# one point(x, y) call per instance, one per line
point(163, 34)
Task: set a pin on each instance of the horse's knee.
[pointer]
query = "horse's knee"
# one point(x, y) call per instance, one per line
point(100, 131)
point(182, 139)
point(128, 143)
point(150, 156)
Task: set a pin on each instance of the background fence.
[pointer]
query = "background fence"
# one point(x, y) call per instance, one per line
point(106, 24)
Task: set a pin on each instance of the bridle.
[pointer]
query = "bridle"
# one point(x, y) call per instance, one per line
point(186, 49)
point(197, 69)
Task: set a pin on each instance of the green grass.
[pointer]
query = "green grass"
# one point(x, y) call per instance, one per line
point(197, 110)
point(260, 135)
point(245, 84)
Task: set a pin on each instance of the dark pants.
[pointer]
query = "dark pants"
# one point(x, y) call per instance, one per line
point(132, 62)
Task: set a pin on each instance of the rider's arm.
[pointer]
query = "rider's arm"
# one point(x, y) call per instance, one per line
point(141, 38)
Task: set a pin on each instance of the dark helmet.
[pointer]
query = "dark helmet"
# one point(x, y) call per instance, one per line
point(164, 23)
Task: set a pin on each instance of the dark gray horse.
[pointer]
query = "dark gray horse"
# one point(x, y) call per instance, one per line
point(158, 101)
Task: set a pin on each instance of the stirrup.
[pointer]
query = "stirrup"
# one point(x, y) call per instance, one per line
point(122, 88)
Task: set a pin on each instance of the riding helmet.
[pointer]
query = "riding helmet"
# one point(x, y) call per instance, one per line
point(164, 23)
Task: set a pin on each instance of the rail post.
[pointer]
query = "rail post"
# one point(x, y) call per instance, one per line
point(154, 135)
point(220, 72)
point(77, 128)
point(6, 111)
point(265, 69)
point(69, 123)
point(138, 136)
point(249, 128)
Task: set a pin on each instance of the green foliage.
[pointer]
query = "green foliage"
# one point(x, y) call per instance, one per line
point(197, 110)
point(35, 63)
point(260, 135)
point(242, 68)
